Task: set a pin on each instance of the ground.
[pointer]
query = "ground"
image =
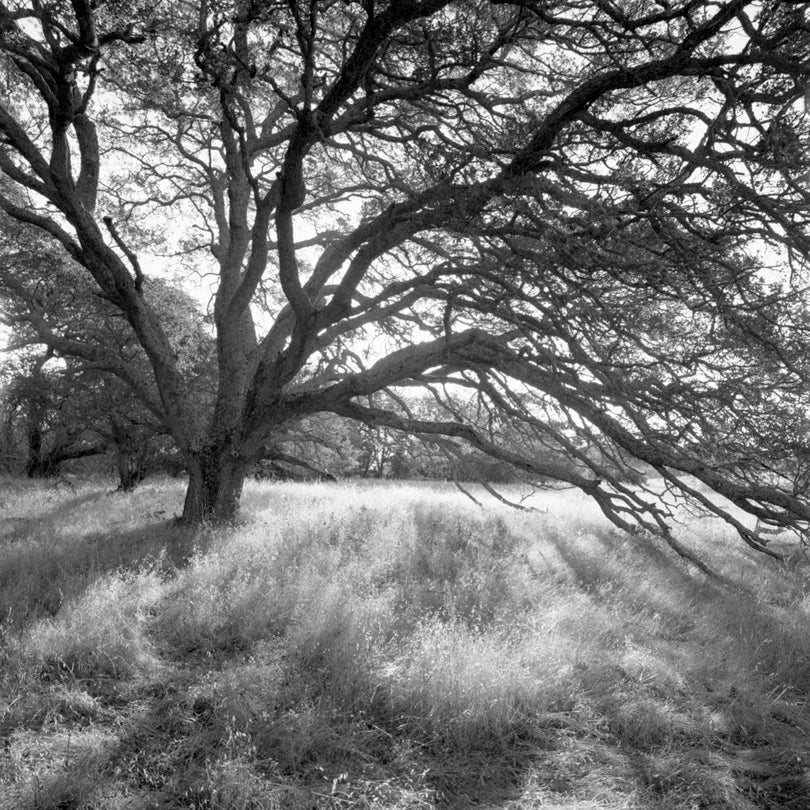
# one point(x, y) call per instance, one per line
point(390, 647)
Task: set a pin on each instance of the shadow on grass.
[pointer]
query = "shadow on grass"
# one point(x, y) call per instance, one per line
point(725, 776)
point(178, 748)
point(18, 527)
point(639, 567)
point(183, 743)
point(708, 703)
point(40, 571)
point(662, 706)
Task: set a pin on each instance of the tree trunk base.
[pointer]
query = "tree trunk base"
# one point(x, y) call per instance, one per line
point(213, 493)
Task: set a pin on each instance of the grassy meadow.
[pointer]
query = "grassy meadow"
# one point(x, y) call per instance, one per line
point(390, 647)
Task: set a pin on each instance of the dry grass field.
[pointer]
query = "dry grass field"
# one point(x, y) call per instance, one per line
point(390, 647)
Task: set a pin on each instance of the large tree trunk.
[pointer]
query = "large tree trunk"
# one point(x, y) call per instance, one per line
point(214, 488)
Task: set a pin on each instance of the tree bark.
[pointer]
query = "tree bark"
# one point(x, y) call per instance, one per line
point(131, 466)
point(215, 482)
point(131, 452)
point(33, 463)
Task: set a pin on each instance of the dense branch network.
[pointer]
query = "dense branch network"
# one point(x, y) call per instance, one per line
point(582, 228)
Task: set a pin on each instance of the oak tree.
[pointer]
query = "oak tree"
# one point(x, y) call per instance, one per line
point(590, 217)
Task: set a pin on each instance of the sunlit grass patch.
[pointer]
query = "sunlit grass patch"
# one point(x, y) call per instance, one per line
point(102, 634)
point(232, 782)
point(53, 552)
point(458, 687)
point(28, 498)
point(397, 647)
point(56, 769)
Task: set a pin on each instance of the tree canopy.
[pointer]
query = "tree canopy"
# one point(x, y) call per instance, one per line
point(586, 220)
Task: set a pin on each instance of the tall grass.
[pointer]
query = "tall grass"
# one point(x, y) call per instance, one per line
point(56, 541)
point(390, 648)
point(102, 634)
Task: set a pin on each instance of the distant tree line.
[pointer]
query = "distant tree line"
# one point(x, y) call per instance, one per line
point(63, 413)
point(59, 414)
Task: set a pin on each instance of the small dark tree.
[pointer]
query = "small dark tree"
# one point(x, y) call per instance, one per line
point(57, 411)
point(132, 451)
point(50, 418)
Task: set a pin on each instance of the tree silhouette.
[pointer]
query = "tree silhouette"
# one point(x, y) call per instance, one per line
point(583, 214)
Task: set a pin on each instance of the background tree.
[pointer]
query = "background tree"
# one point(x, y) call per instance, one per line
point(578, 211)
point(316, 447)
point(47, 415)
point(74, 407)
point(58, 412)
